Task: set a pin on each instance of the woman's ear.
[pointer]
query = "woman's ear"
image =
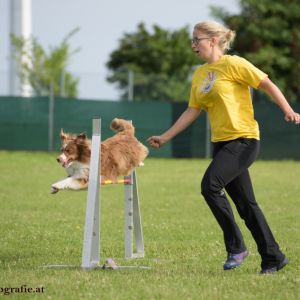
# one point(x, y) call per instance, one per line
point(214, 41)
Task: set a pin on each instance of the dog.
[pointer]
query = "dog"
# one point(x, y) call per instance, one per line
point(120, 155)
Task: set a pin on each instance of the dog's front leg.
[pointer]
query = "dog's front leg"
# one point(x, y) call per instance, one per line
point(70, 184)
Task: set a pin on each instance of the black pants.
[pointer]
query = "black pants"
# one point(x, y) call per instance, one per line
point(229, 170)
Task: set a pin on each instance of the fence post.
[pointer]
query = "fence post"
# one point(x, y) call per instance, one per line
point(62, 84)
point(207, 138)
point(130, 85)
point(51, 118)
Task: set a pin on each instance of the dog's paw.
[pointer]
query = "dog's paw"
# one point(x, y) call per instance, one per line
point(53, 190)
point(141, 164)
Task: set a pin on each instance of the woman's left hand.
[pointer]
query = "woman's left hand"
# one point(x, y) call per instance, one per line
point(292, 117)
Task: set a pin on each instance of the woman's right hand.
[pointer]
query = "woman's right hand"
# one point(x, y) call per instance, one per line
point(156, 141)
point(186, 118)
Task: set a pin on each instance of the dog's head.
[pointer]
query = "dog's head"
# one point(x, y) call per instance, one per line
point(73, 148)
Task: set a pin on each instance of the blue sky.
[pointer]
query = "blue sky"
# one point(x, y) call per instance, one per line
point(102, 24)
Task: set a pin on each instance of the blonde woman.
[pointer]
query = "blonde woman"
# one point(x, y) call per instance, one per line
point(221, 87)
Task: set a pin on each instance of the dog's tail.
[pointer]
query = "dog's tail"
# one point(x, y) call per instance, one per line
point(119, 125)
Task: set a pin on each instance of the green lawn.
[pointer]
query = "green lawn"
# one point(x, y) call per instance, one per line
point(183, 243)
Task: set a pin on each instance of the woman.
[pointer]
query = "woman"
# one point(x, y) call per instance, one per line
point(221, 87)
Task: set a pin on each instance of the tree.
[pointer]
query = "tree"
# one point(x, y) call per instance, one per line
point(160, 60)
point(268, 34)
point(40, 69)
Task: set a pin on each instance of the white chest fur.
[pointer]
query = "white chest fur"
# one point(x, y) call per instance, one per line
point(78, 170)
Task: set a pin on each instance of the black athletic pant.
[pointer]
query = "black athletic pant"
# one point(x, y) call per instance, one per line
point(229, 170)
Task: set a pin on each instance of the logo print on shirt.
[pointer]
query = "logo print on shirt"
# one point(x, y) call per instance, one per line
point(208, 83)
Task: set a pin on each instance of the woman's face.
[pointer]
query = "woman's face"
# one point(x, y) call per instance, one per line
point(201, 44)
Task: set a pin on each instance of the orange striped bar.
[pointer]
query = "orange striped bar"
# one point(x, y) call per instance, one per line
point(124, 181)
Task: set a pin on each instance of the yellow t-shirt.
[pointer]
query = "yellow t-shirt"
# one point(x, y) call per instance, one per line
point(222, 89)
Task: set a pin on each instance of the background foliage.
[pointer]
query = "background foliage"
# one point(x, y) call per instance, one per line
point(160, 59)
point(268, 35)
point(40, 69)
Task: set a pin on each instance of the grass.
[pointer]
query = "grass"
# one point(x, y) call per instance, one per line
point(183, 243)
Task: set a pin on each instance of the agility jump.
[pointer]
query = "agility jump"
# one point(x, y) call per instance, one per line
point(132, 216)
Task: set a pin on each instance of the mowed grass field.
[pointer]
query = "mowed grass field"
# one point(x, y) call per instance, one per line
point(183, 243)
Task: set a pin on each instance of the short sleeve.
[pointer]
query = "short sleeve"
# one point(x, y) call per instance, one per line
point(193, 98)
point(244, 72)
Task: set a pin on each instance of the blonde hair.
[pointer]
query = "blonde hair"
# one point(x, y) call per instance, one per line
point(213, 29)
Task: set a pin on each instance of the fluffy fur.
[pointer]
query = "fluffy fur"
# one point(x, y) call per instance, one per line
point(120, 155)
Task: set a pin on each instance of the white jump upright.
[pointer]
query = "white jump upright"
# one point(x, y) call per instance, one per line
point(91, 241)
point(132, 218)
point(132, 215)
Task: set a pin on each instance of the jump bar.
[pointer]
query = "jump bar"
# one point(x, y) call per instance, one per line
point(124, 181)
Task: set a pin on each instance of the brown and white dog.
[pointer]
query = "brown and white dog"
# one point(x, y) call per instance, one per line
point(120, 155)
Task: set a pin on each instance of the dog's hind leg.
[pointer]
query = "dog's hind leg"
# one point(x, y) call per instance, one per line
point(69, 184)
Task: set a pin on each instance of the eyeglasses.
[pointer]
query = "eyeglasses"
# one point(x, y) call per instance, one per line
point(196, 40)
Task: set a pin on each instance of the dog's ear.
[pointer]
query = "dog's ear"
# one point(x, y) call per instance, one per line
point(81, 136)
point(63, 136)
